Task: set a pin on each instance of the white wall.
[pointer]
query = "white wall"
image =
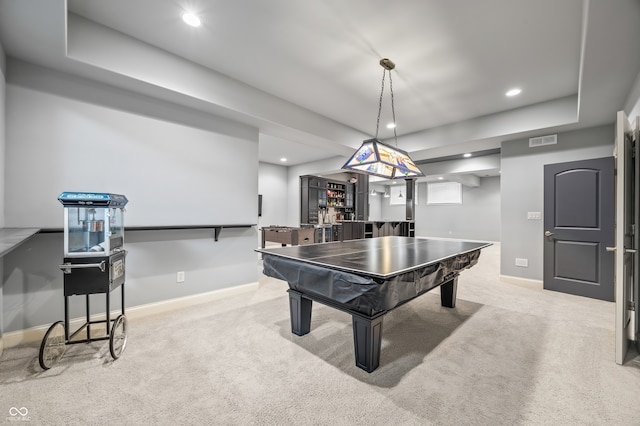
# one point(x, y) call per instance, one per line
point(523, 191)
point(32, 281)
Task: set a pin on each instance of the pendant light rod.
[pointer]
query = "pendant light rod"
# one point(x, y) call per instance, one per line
point(387, 65)
point(393, 109)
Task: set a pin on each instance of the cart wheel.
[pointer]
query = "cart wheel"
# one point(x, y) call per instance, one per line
point(118, 337)
point(52, 346)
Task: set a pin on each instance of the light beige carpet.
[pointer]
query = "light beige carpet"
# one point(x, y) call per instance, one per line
point(506, 355)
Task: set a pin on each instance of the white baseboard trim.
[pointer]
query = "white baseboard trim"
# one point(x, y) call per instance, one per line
point(523, 282)
point(35, 334)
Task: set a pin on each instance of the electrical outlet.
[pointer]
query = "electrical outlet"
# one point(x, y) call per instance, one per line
point(534, 215)
point(180, 277)
point(522, 262)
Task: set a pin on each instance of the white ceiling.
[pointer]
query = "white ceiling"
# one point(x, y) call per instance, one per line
point(306, 73)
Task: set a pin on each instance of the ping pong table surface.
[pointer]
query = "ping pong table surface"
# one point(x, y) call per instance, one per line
point(381, 257)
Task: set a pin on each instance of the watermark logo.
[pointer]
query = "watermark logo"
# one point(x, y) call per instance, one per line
point(19, 414)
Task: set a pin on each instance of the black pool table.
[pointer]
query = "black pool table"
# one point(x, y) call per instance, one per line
point(368, 278)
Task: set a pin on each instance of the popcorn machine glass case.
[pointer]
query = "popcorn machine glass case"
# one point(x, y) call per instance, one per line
point(93, 223)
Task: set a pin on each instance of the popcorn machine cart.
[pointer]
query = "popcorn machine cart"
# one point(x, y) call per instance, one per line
point(94, 262)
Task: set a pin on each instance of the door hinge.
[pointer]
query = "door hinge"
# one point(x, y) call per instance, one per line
point(631, 305)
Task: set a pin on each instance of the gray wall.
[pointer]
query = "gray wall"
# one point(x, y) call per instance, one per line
point(273, 187)
point(158, 161)
point(376, 201)
point(632, 103)
point(33, 283)
point(380, 208)
point(522, 192)
point(477, 218)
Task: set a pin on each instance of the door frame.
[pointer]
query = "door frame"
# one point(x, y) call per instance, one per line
point(625, 246)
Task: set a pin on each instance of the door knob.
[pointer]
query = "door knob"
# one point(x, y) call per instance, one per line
point(548, 234)
point(626, 250)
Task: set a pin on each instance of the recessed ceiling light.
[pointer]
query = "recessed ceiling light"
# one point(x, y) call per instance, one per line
point(284, 160)
point(440, 178)
point(513, 92)
point(467, 155)
point(391, 125)
point(191, 19)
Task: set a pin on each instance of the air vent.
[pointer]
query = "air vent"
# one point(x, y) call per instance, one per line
point(543, 140)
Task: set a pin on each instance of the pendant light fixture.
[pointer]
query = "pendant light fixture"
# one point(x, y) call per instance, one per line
point(377, 158)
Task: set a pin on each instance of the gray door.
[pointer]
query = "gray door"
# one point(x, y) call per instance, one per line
point(579, 205)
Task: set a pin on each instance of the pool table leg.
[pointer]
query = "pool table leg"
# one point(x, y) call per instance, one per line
point(367, 339)
point(448, 292)
point(300, 311)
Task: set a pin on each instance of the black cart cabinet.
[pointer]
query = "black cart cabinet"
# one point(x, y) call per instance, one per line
point(91, 275)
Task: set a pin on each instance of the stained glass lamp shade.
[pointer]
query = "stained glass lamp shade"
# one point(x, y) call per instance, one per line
point(379, 159)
